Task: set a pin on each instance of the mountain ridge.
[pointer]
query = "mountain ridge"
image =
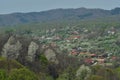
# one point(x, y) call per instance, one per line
point(56, 15)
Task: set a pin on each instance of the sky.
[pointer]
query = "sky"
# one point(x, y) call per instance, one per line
point(12, 6)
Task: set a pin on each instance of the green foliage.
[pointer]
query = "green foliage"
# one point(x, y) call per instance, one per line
point(10, 31)
point(117, 70)
point(48, 77)
point(83, 74)
point(11, 64)
point(103, 72)
point(96, 77)
point(95, 68)
point(44, 76)
point(13, 70)
point(94, 38)
point(64, 76)
point(109, 74)
point(68, 74)
point(43, 59)
point(22, 74)
point(3, 74)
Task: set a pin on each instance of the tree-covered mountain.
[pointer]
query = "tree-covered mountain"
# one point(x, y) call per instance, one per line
point(61, 44)
point(57, 15)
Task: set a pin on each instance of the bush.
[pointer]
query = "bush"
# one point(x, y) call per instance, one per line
point(3, 75)
point(96, 77)
point(22, 74)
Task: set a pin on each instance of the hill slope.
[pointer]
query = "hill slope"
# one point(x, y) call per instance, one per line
point(56, 15)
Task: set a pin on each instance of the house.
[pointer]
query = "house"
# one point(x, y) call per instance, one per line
point(93, 55)
point(73, 37)
point(100, 61)
point(56, 38)
point(112, 31)
point(74, 52)
point(114, 58)
point(49, 38)
point(88, 61)
point(75, 32)
point(88, 54)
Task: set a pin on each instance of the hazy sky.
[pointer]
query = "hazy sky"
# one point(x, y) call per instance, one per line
point(10, 6)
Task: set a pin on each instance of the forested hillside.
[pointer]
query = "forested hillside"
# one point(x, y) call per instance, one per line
point(57, 15)
point(61, 44)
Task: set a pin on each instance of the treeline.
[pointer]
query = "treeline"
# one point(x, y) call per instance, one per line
point(12, 70)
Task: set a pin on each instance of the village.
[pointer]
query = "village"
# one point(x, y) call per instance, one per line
point(86, 44)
